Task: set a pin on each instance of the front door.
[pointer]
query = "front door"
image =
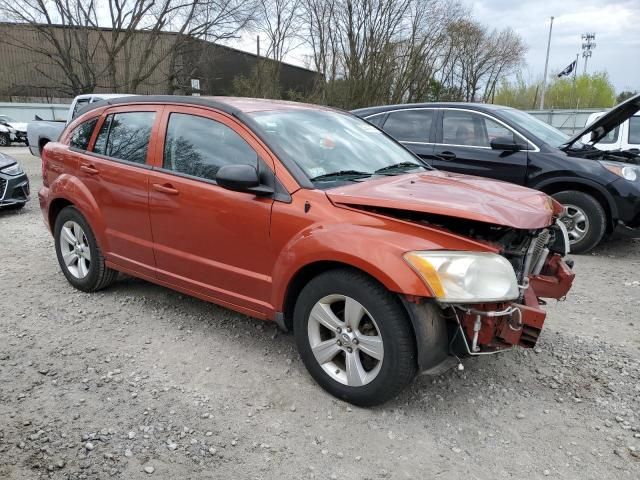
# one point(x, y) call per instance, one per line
point(464, 146)
point(207, 239)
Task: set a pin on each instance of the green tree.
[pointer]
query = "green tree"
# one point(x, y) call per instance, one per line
point(588, 91)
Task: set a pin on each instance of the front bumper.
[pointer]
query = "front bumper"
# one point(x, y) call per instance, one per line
point(489, 328)
point(14, 189)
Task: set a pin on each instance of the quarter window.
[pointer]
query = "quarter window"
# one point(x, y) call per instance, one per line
point(199, 146)
point(376, 120)
point(634, 130)
point(472, 129)
point(125, 136)
point(409, 125)
point(82, 134)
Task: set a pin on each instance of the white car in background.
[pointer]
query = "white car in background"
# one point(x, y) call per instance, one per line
point(625, 136)
point(17, 130)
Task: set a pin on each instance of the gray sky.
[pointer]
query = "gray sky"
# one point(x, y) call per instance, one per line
point(616, 24)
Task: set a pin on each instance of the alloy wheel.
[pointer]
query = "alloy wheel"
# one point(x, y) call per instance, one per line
point(75, 249)
point(577, 223)
point(345, 340)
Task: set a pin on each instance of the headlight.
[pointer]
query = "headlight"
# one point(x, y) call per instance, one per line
point(628, 172)
point(12, 170)
point(465, 277)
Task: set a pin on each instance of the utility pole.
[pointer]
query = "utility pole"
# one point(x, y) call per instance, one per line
point(546, 66)
point(588, 45)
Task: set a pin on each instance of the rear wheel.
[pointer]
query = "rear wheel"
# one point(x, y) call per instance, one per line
point(586, 220)
point(5, 140)
point(354, 337)
point(78, 252)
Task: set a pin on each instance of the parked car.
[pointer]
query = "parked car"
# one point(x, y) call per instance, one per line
point(41, 132)
point(625, 136)
point(382, 266)
point(7, 135)
point(20, 128)
point(14, 184)
point(600, 189)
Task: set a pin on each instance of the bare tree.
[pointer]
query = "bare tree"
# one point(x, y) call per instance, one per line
point(120, 44)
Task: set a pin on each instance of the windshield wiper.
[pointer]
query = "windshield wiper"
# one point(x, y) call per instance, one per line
point(341, 173)
point(402, 166)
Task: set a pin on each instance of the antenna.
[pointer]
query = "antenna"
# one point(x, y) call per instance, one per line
point(588, 45)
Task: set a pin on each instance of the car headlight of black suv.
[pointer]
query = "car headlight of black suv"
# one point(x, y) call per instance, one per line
point(13, 170)
point(628, 172)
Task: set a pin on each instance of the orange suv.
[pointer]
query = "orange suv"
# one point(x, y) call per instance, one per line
point(310, 217)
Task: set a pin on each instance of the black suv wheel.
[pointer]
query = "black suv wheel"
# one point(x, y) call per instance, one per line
point(586, 220)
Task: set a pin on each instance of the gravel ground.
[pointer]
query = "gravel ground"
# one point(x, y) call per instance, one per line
point(138, 381)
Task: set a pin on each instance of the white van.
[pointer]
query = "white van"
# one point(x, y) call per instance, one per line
point(626, 136)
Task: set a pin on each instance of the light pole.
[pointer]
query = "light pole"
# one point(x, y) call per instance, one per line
point(546, 66)
point(588, 45)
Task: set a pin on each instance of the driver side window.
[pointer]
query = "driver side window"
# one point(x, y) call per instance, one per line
point(199, 146)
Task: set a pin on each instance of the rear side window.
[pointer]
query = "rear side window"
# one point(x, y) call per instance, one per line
point(199, 146)
point(82, 134)
point(634, 130)
point(125, 136)
point(410, 125)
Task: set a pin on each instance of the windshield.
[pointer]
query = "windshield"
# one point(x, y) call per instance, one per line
point(332, 146)
point(543, 131)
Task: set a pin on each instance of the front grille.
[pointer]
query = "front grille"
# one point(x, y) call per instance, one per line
point(3, 187)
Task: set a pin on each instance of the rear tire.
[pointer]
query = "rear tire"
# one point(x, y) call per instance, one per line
point(365, 365)
point(586, 220)
point(5, 140)
point(78, 253)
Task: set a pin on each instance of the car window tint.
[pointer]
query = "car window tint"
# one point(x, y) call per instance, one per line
point(376, 120)
point(199, 146)
point(83, 102)
point(472, 129)
point(409, 125)
point(82, 133)
point(634, 130)
point(125, 136)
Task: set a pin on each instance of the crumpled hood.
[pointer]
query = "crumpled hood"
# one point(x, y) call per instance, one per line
point(20, 126)
point(454, 195)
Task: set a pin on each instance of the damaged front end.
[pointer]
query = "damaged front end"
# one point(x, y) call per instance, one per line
point(538, 260)
point(542, 273)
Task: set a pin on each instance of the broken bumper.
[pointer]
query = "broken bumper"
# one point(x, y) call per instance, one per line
point(490, 328)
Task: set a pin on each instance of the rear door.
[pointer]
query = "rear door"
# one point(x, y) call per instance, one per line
point(208, 239)
point(115, 170)
point(464, 146)
point(414, 128)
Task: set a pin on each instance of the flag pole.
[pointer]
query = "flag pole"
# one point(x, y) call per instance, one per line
point(575, 94)
point(546, 66)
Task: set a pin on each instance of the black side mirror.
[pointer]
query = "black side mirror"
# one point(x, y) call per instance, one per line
point(507, 144)
point(241, 178)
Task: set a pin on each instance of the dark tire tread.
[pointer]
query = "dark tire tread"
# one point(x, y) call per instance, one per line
point(391, 380)
point(597, 218)
point(103, 276)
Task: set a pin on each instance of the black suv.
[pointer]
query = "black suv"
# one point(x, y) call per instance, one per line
point(600, 190)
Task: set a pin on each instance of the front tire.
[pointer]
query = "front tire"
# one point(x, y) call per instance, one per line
point(78, 253)
point(5, 140)
point(586, 220)
point(354, 337)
